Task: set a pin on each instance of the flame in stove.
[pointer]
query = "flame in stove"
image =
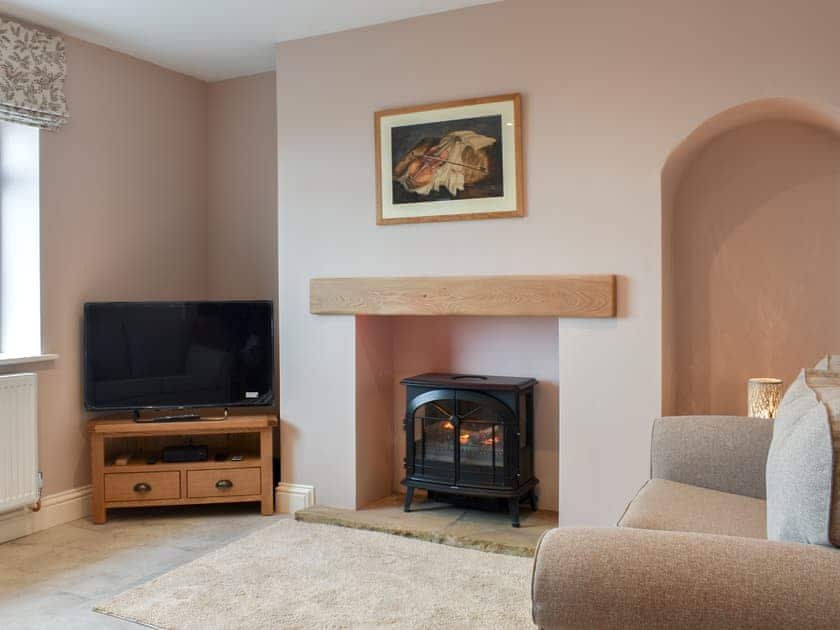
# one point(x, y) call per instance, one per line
point(476, 437)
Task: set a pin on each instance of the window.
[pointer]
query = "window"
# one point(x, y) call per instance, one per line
point(20, 252)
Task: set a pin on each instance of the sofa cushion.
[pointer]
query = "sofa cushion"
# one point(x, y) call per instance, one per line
point(725, 453)
point(803, 502)
point(679, 507)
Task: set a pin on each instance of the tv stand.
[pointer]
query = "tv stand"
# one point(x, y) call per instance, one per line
point(145, 480)
point(181, 417)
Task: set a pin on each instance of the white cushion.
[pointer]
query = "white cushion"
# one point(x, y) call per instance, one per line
point(800, 464)
point(830, 362)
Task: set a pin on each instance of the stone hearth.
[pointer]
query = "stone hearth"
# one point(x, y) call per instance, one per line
point(442, 523)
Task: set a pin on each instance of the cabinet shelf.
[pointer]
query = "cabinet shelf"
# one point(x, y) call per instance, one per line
point(137, 463)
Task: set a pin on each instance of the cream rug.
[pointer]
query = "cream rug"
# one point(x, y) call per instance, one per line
point(302, 575)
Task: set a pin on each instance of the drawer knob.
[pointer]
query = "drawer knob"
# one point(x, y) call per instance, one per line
point(142, 487)
point(224, 484)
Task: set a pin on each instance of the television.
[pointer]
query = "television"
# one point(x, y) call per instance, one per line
point(178, 355)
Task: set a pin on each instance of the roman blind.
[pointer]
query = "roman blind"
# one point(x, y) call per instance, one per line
point(32, 73)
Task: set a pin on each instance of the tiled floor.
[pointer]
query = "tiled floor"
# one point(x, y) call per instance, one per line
point(443, 523)
point(52, 579)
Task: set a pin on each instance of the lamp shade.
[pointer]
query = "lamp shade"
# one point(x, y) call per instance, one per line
point(763, 397)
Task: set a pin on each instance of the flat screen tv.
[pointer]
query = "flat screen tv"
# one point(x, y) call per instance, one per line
point(178, 355)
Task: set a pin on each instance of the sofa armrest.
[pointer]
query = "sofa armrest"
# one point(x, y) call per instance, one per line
point(634, 579)
point(726, 453)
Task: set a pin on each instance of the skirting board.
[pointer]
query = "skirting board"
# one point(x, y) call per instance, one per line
point(56, 509)
point(291, 497)
point(74, 504)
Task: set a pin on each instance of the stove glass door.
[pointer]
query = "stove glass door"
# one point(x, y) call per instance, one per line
point(434, 441)
point(483, 426)
point(459, 438)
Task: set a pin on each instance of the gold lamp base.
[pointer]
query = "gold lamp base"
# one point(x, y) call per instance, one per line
point(763, 397)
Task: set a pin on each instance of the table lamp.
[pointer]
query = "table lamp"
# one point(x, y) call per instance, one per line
point(763, 397)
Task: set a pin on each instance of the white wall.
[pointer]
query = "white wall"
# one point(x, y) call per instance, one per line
point(609, 89)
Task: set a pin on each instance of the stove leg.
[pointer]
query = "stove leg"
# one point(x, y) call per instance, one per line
point(532, 497)
point(513, 506)
point(409, 495)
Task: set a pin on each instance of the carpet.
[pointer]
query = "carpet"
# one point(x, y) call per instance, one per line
point(302, 575)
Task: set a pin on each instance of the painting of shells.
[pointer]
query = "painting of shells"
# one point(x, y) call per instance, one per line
point(450, 161)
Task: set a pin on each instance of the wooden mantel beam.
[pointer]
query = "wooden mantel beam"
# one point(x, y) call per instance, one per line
point(511, 296)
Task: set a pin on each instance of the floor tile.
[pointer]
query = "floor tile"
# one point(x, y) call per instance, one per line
point(53, 578)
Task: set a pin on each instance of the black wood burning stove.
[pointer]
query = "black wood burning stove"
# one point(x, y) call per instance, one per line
point(472, 436)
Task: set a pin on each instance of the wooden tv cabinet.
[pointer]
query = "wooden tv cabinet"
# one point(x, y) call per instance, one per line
point(141, 484)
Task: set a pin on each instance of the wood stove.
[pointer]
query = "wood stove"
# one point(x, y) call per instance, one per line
point(472, 436)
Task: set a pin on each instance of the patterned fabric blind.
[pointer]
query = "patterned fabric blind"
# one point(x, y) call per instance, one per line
point(32, 73)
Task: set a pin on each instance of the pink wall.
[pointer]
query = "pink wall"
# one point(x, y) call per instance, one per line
point(756, 268)
point(241, 224)
point(609, 90)
point(375, 410)
point(160, 187)
point(123, 215)
point(242, 188)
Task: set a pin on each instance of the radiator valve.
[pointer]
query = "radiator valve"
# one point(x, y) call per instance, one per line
point(39, 484)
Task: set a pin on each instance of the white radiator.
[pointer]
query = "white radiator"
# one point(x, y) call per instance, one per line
point(19, 477)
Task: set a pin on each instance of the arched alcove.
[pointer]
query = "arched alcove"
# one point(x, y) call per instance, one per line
point(751, 267)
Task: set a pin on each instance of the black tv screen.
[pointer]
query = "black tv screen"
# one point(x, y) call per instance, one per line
point(164, 355)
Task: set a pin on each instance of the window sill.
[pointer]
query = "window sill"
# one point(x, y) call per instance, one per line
point(9, 359)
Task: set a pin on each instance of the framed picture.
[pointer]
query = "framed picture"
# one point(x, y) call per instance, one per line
point(450, 161)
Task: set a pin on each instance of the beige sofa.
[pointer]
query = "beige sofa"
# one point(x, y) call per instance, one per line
point(690, 550)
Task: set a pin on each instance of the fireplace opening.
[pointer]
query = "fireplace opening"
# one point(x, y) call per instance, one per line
point(471, 436)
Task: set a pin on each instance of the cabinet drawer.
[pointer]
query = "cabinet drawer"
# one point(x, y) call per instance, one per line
point(222, 482)
point(143, 486)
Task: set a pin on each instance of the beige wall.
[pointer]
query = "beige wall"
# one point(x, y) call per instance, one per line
point(609, 90)
point(757, 270)
point(123, 217)
point(242, 188)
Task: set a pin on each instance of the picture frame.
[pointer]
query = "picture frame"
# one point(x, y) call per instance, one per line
point(450, 161)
